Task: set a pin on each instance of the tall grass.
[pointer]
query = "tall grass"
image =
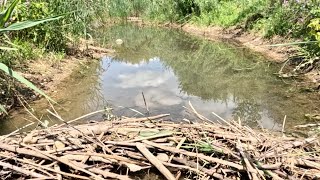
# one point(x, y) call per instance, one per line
point(18, 26)
point(270, 17)
point(289, 19)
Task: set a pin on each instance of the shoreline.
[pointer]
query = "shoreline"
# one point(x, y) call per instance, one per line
point(253, 41)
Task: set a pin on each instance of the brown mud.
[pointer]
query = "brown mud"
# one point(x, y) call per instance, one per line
point(49, 74)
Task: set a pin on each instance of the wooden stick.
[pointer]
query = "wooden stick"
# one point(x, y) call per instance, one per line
point(141, 147)
point(131, 120)
point(283, 124)
point(215, 175)
point(199, 155)
point(64, 161)
point(107, 174)
point(108, 156)
point(247, 163)
point(22, 170)
point(178, 147)
point(22, 151)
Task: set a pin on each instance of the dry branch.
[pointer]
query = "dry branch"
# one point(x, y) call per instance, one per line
point(116, 149)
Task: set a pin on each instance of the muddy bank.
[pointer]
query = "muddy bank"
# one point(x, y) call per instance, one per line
point(238, 36)
point(256, 43)
point(235, 35)
point(50, 71)
point(246, 39)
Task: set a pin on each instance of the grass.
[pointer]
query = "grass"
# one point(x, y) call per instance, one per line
point(33, 29)
point(269, 18)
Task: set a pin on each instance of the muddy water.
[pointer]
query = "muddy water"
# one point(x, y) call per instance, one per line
point(173, 69)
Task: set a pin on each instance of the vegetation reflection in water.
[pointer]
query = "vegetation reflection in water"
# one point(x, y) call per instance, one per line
point(171, 69)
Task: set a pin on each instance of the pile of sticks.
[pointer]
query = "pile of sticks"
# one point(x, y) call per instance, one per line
point(122, 148)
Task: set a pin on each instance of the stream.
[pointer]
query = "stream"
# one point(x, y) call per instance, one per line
point(170, 69)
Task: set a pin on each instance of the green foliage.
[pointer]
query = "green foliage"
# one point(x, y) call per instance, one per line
point(20, 78)
point(27, 24)
point(2, 109)
point(267, 16)
point(16, 27)
point(45, 35)
point(24, 51)
point(4, 17)
point(315, 29)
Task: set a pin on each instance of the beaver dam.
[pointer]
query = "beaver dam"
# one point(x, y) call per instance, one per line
point(125, 148)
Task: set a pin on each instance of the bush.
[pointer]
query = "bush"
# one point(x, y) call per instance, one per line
point(50, 36)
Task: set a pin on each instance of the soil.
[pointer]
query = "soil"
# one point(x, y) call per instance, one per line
point(48, 74)
point(249, 40)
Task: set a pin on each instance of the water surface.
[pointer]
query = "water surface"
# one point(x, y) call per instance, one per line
point(173, 69)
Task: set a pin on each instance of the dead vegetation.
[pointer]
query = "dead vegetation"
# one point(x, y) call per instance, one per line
point(117, 149)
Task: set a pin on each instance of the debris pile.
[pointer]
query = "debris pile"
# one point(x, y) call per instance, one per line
point(120, 148)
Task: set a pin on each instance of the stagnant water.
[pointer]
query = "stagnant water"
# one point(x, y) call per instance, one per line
point(173, 69)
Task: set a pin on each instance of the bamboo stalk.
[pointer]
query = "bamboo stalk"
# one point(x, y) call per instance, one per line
point(153, 160)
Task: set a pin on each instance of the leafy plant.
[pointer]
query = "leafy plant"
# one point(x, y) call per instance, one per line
point(315, 28)
point(16, 27)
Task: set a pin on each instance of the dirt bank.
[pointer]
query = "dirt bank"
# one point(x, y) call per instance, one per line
point(235, 35)
point(249, 40)
point(50, 71)
point(255, 42)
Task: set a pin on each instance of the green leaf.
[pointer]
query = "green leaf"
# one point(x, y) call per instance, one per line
point(20, 78)
point(4, 17)
point(27, 24)
point(155, 134)
point(2, 109)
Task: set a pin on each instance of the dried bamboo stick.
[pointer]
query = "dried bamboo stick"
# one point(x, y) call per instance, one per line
point(64, 161)
point(153, 160)
point(191, 154)
point(22, 170)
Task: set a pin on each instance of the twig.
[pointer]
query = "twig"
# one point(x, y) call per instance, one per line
point(84, 116)
point(178, 147)
point(64, 161)
point(22, 170)
point(13, 132)
point(155, 161)
point(201, 156)
point(145, 103)
point(199, 115)
point(283, 124)
point(247, 163)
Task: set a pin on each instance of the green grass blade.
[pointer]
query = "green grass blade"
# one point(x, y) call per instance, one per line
point(4, 17)
point(21, 79)
point(27, 24)
point(2, 109)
